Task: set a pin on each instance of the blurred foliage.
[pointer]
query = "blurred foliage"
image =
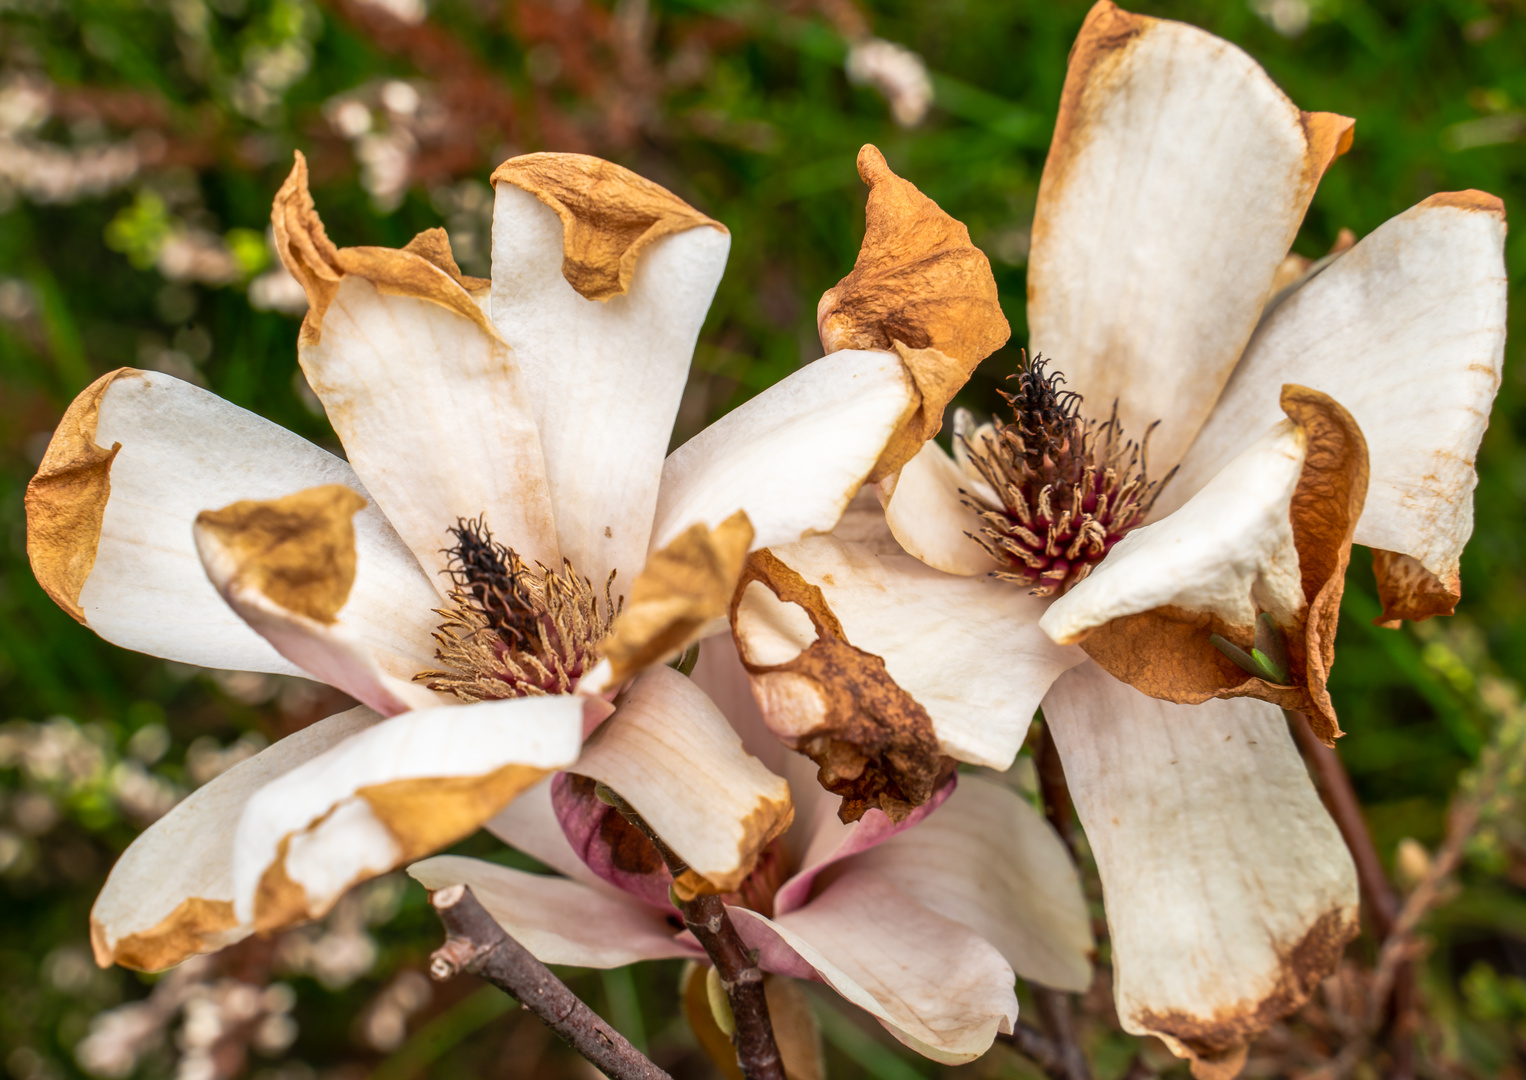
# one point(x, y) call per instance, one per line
point(140, 144)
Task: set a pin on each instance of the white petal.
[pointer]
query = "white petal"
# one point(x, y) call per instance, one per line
point(1407, 331)
point(1176, 182)
point(967, 649)
point(559, 921)
point(794, 456)
point(603, 378)
point(432, 411)
point(1226, 552)
point(170, 895)
point(402, 789)
point(988, 859)
point(669, 752)
point(925, 509)
point(1229, 891)
point(932, 982)
point(529, 823)
point(185, 450)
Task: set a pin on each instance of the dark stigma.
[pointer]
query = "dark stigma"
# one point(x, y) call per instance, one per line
point(492, 576)
point(1047, 418)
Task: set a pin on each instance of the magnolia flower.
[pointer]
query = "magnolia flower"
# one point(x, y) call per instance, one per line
point(1161, 605)
point(922, 927)
point(464, 570)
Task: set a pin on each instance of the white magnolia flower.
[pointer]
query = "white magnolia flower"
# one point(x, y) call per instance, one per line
point(921, 924)
point(507, 479)
point(1042, 564)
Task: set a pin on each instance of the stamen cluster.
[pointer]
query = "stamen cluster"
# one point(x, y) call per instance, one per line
point(512, 631)
point(1069, 487)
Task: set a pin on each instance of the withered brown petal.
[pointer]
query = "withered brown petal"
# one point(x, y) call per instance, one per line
point(1409, 591)
point(1166, 652)
point(609, 215)
point(298, 550)
point(684, 589)
point(66, 500)
point(918, 279)
point(874, 744)
point(424, 269)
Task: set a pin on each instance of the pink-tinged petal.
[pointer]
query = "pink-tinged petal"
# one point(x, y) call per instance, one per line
point(792, 457)
point(989, 860)
point(930, 981)
point(1177, 179)
point(560, 921)
point(399, 791)
point(611, 848)
point(287, 567)
point(828, 840)
point(925, 509)
point(672, 756)
point(1228, 889)
point(110, 536)
point(530, 824)
point(1406, 330)
point(170, 895)
point(603, 376)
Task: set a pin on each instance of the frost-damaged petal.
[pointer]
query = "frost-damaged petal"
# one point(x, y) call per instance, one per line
point(1407, 330)
point(882, 669)
point(398, 791)
point(925, 509)
point(669, 752)
point(794, 456)
point(1228, 889)
point(109, 516)
point(426, 397)
point(286, 566)
point(921, 288)
point(932, 982)
point(683, 594)
point(601, 280)
point(559, 921)
point(170, 895)
point(1270, 534)
point(1175, 184)
point(988, 859)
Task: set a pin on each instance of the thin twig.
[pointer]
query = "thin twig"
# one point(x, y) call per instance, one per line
point(1054, 1009)
point(476, 943)
point(1038, 1048)
point(705, 917)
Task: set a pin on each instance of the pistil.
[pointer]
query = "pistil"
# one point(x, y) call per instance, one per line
point(1067, 487)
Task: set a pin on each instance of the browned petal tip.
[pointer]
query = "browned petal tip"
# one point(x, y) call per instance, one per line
point(609, 215)
point(66, 500)
point(1469, 200)
point(1409, 591)
point(195, 926)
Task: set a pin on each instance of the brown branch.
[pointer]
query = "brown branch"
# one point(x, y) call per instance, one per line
point(476, 943)
point(705, 917)
point(1038, 1048)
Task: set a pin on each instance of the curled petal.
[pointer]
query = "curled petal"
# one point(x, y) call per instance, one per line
point(170, 895)
point(669, 752)
point(559, 921)
point(1269, 534)
point(602, 377)
point(286, 567)
point(1175, 184)
point(1214, 795)
point(925, 509)
point(930, 981)
point(387, 796)
point(921, 288)
point(110, 512)
point(1407, 330)
point(427, 398)
point(884, 670)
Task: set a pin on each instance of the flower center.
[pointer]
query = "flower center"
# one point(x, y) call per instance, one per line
point(513, 631)
point(1069, 487)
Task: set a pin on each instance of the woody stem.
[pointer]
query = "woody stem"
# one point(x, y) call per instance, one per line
point(705, 917)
